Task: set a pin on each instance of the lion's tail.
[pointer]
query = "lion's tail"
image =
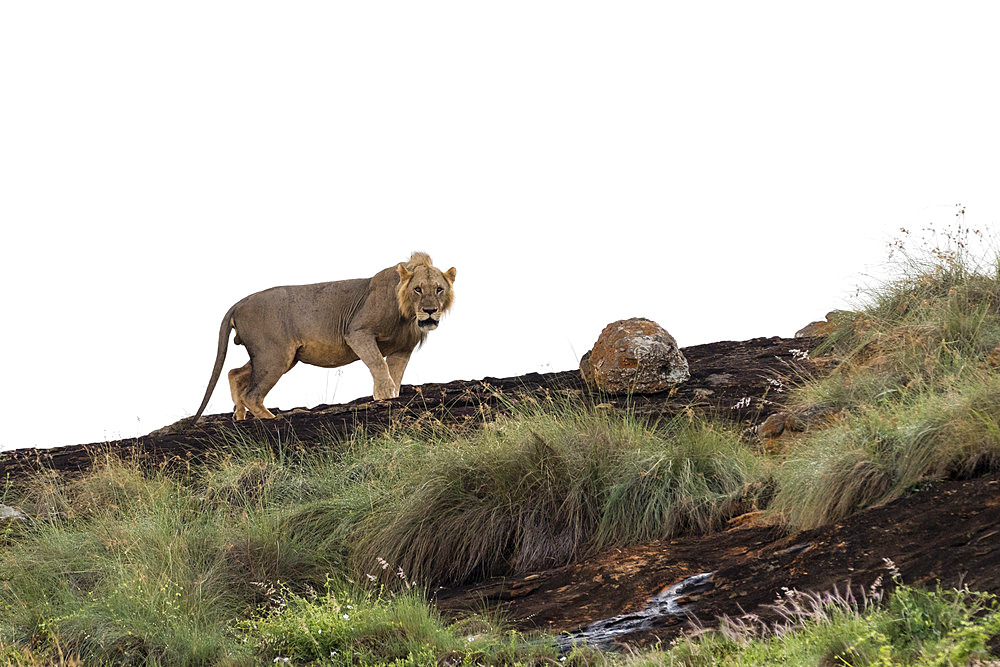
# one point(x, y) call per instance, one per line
point(220, 359)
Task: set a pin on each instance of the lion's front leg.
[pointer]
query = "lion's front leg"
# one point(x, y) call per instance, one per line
point(397, 364)
point(365, 347)
point(384, 389)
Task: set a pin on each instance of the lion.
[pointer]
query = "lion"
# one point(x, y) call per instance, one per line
point(379, 320)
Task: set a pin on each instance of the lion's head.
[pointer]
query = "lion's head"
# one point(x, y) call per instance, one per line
point(424, 292)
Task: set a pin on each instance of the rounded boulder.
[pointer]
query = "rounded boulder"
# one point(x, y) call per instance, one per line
point(635, 355)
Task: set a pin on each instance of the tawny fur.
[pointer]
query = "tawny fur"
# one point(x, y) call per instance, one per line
point(379, 320)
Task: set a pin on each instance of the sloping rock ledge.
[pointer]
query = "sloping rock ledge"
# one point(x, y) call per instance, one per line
point(738, 379)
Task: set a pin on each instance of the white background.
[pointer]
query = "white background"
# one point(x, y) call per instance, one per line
point(729, 170)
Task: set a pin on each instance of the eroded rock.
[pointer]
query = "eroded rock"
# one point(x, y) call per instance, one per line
point(11, 513)
point(824, 327)
point(773, 426)
point(778, 423)
point(634, 356)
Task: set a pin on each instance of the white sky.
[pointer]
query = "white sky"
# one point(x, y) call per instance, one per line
point(729, 170)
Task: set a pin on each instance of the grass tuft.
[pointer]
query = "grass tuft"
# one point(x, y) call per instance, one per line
point(546, 487)
point(347, 625)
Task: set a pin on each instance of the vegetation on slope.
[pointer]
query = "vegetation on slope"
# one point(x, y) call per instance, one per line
point(545, 487)
point(908, 626)
point(134, 565)
point(916, 396)
point(320, 551)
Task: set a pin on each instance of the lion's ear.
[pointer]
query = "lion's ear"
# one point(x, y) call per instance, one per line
point(404, 274)
point(450, 275)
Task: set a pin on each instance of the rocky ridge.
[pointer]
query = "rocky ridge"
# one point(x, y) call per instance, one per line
point(946, 532)
point(741, 380)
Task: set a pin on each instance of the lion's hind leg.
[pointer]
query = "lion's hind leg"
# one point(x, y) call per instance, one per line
point(266, 369)
point(239, 382)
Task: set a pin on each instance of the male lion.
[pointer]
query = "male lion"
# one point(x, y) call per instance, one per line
point(379, 320)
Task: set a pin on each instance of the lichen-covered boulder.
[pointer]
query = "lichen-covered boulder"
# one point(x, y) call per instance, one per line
point(634, 356)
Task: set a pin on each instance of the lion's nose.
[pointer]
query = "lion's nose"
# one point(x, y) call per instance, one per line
point(430, 311)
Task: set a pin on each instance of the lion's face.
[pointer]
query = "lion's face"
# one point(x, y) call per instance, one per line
point(425, 294)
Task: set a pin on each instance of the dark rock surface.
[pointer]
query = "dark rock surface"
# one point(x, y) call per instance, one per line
point(742, 380)
point(948, 532)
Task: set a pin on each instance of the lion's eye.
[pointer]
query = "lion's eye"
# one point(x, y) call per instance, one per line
point(440, 289)
point(418, 290)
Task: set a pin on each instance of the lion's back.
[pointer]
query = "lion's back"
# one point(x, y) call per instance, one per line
point(300, 310)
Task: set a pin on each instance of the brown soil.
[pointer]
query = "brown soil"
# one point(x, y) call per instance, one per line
point(948, 532)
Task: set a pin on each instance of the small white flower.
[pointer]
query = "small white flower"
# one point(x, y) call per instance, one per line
point(346, 617)
point(742, 403)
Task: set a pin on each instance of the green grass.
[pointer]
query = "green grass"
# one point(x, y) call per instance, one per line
point(348, 625)
point(877, 451)
point(546, 487)
point(134, 569)
point(134, 565)
point(909, 627)
point(916, 396)
point(934, 323)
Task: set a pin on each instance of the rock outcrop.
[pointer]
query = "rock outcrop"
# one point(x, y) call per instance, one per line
point(778, 423)
point(634, 356)
point(825, 327)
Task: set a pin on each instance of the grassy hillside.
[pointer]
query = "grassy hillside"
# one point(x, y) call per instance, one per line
point(178, 565)
point(323, 550)
point(915, 397)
